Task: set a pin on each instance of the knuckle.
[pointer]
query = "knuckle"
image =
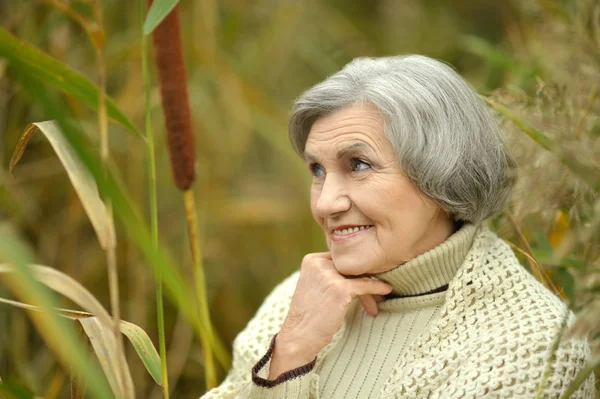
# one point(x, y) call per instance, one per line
point(307, 261)
point(314, 261)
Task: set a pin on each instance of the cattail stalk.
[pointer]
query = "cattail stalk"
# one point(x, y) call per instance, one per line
point(180, 141)
point(174, 94)
point(153, 207)
point(200, 282)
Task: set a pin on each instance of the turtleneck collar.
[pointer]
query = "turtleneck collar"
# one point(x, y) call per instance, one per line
point(432, 269)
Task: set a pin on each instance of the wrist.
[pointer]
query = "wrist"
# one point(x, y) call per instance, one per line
point(289, 354)
point(291, 346)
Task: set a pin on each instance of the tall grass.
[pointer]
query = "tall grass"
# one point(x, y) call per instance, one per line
point(246, 62)
point(160, 319)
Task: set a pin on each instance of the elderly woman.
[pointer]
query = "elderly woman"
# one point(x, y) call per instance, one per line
point(415, 298)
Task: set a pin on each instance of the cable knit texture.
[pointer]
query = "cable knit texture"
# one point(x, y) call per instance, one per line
point(492, 339)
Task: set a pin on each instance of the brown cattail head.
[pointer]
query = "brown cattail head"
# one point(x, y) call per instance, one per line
point(168, 54)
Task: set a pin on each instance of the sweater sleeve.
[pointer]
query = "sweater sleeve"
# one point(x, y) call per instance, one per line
point(293, 384)
point(252, 351)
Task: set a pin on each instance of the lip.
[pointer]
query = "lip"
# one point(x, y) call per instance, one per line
point(340, 238)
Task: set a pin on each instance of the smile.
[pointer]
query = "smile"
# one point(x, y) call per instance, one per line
point(350, 230)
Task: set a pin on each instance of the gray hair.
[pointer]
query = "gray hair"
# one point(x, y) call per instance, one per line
point(445, 136)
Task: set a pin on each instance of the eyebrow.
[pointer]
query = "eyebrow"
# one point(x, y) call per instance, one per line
point(340, 154)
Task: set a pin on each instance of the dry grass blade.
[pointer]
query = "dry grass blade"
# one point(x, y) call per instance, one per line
point(99, 330)
point(93, 30)
point(104, 343)
point(78, 389)
point(66, 286)
point(140, 341)
point(536, 269)
point(53, 330)
point(586, 173)
point(80, 177)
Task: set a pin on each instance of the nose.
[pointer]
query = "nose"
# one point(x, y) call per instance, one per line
point(333, 198)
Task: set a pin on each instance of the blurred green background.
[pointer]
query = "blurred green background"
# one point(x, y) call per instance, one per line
point(246, 62)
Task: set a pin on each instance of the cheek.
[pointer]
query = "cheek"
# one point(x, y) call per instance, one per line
point(408, 215)
point(395, 205)
point(314, 197)
point(378, 199)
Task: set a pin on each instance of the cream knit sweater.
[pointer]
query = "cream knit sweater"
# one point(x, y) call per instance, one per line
point(488, 335)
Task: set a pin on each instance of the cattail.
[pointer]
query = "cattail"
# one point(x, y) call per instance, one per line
point(172, 79)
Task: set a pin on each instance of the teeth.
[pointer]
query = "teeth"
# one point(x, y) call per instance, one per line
point(350, 230)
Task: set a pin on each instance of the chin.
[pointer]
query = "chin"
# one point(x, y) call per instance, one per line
point(349, 265)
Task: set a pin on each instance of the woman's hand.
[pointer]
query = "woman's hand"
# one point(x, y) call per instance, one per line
point(318, 308)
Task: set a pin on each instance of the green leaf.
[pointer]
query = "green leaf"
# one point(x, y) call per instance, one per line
point(82, 180)
point(136, 228)
point(572, 262)
point(145, 349)
point(566, 281)
point(489, 52)
point(158, 11)
point(12, 390)
point(98, 329)
point(40, 66)
point(543, 248)
point(138, 338)
point(52, 328)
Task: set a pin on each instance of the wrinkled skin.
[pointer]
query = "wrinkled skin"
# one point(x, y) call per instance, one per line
point(374, 219)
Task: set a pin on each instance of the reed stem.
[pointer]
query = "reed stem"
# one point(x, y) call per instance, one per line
point(110, 250)
point(153, 205)
point(200, 283)
point(172, 78)
point(552, 357)
point(537, 270)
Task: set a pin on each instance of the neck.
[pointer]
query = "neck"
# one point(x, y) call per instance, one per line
point(432, 269)
point(440, 230)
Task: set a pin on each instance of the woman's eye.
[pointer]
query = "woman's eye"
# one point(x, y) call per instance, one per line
point(359, 165)
point(316, 170)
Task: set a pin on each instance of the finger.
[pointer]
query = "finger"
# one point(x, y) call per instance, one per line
point(326, 255)
point(378, 298)
point(369, 304)
point(315, 255)
point(367, 286)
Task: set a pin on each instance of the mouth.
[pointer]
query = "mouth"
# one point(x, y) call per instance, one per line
point(349, 230)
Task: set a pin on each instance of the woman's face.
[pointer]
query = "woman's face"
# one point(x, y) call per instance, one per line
point(373, 217)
